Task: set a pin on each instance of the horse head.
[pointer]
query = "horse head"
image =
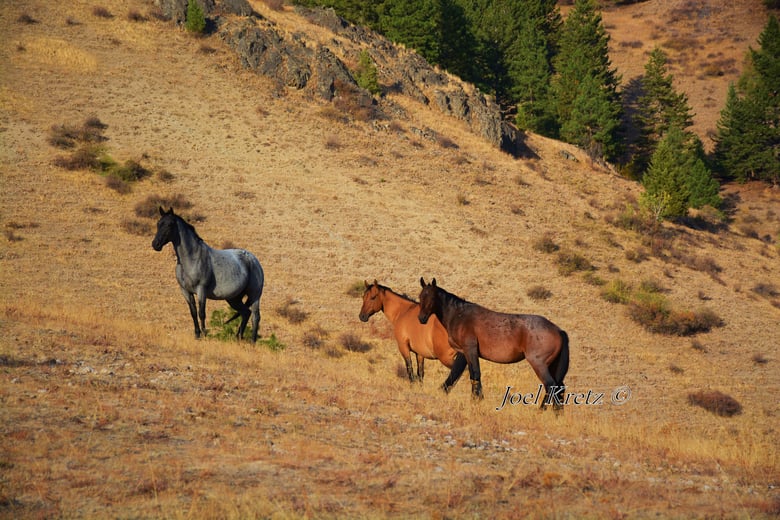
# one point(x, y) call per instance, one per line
point(372, 301)
point(428, 300)
point(167, 229)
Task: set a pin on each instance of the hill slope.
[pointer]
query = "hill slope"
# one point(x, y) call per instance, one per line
point(111, 408)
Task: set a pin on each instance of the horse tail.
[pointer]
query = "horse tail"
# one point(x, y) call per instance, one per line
point(560, 365)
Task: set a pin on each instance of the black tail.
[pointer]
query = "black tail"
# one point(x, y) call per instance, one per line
point(236, 315)
point(560, 365)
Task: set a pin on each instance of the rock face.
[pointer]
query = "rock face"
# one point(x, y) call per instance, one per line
point(263, 47)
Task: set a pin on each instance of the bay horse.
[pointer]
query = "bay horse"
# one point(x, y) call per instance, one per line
point(217, 274)
point(427, 341)
point(477, 332)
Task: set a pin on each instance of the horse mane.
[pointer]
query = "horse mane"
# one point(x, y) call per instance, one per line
point(190, 227)
point(402, 295)
point(454, 299)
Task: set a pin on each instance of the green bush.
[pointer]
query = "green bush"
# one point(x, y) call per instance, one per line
point(196, 20)
point(366, 74)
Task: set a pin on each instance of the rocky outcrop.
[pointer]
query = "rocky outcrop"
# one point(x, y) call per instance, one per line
point(261, 46)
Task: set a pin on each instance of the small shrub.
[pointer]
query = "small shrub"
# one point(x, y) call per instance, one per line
point(637, 255)
point(569, 262)
point(271, 342)
point(591, 278)
point(354, 344)
point(220, 329)
point(131, 171)
point(196, 19)
point(118, 185)
point(654, 313)
point(27, 19)
point(149, 207)
point(617, 291)
point(759, 359)
point(86, 157)
point(715, 402)
point(546, 244)
point(315, 338)
point(135, 16)
point(767, 290)
point(137, 227)
point(357, 289)
point(366, 74)
point(292, 313)
point(102, 12)
point(538, 292)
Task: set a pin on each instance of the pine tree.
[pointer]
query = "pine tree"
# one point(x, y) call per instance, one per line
point(594, 120)
point(659, 108)
point(748, 142)
point(583, 58)
point(678, 178)
point(529, 66)
point(366, 74)
point(414, 23)
point(196, 20)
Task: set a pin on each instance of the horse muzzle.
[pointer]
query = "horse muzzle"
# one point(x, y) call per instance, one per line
point(423, 318)
point(364, 317)
point(156, 245)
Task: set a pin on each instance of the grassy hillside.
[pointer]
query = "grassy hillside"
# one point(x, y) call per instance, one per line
point(110, 408)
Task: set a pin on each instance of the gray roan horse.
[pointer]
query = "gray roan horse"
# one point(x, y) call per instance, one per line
point(217, 274)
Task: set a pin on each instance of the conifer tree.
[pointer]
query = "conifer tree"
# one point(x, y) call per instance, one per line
point(415, 23)
point(196, 20)
point(748, 142)
point(659, 108)
point(583, 63)
point(678, 178)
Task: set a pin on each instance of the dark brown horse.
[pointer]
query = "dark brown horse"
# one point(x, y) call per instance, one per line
point(476, 332)
point(426, 341)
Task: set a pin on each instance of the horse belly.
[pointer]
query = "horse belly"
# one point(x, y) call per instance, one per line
point(502, 344)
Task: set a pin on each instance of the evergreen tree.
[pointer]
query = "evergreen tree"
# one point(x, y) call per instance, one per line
point(414, 23)
point(583, 59)
point(678, 178)
point(366, 75)
point(529, 66)
point(594, 120)
point(659, 108)
point(196, 20)
point(748, 142)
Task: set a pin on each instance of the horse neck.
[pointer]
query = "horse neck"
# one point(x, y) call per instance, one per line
point(189, 247)
point(394, 304)
point(449, 306)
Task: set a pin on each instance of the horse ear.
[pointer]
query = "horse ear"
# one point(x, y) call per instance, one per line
point(422, 282)
point(170, 211)
point(376, 283)
point(162, 211)
point(366, 283)
point(433, 282)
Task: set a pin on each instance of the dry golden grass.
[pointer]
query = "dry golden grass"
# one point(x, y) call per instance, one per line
point(109, 407)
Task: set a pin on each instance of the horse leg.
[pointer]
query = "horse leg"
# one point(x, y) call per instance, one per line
point(472, 358)
point(420, 367)
point(243, 311)
point(553, 393)
point(458, 366)
point(255, 310)
point(202, 309)
point(193, 310)
point(406, 353)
